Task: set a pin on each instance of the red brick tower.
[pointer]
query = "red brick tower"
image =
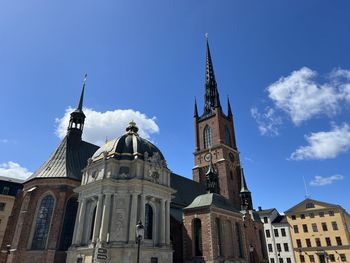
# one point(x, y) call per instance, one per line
point(214, 132)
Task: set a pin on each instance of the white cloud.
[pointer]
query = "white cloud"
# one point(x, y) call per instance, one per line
point(324, 145)
point(109, 124)
point(14, 170)
point(4, 140)
point(302, 97)
point(321, 181)
point(268, 122)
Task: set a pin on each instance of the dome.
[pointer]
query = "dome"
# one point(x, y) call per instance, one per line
point(129, 146)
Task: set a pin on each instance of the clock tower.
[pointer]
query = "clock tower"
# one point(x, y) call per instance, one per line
point(215, 142)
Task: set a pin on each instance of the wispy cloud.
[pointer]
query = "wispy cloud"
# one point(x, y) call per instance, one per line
point(324, 144)
point(268, 122)
point(14, 170)
point(108, 124)
point(4, 140)
point(321, 181)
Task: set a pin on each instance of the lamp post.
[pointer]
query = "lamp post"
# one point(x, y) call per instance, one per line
point(139, 236)
point(251, 255)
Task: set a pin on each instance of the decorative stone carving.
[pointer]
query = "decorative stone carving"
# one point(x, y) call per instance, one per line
point(124, 172)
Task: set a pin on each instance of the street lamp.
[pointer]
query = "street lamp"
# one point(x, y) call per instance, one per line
point(139, 236)
point(251, 255)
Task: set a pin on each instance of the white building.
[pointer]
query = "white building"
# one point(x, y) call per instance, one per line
point(277, 235)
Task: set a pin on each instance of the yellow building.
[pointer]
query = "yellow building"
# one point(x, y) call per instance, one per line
point(320, 232)
point(9, 187)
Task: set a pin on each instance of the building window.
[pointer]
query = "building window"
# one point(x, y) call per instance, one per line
point(272, 260)
point(328, 242)
point(310, 205)
point(331, 213)
point(207, 137)
point(286, 247)
point(321, 214)
point(278, 245)
point(5, 190)
point(154, 260)
point(281, 260)
point(312, 258)
point(267, 233)
point(296, 229)
point(43, 221)
point(324, 226)
point(239, 240)
point(228, 137)
point(298, 243)
point(305, 228)
point(342, 257)
point(302, 258)
point(283, 232)
point(68, 223)
point(332, 257)
point(338, 239)
point(308, 242)
point(265, 219)
point(270, 247)
point(302, 216)
point(218, 234)
point(197, 232)
point(276, 232)
point(2, 206)
point(148, 222)
point(314, 227)
point(293, 217)
point(318, 242)
point(311, 215)
point(334, 225)
point(288, 260)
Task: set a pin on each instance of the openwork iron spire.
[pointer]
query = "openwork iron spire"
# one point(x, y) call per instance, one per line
point(81, 100)
point(211, 98)
point(195, 114)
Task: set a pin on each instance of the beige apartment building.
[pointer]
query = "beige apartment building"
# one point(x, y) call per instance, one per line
point(320, 232)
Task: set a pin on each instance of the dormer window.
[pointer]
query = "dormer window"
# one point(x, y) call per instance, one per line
point(310, 205)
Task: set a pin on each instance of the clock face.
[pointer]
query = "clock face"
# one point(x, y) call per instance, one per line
point(207, 157)
point(232, 157)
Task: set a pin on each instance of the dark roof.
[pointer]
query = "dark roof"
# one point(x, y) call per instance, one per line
point(280, 219)
point(11, 179)
point(266, 211)
point(67, 161)
point(187, 189)
point(308, 200)
point(211, 200)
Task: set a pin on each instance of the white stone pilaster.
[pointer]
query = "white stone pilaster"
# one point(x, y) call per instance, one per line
point(167, 222)
point(142, 208)
point(98, 218)
point(133, 220)
point(162, 221)
point(105, 217)
point(80, 222)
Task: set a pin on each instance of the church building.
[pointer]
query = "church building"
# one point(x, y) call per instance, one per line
point(85, 202)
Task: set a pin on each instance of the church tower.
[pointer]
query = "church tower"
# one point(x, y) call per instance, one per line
point(215, 140)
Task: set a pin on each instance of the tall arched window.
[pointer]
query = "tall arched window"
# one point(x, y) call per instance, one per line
point(239, 240)
point(148, 221)
point(218, 234)
point(227, 137)
point(68, 223)
point(42, 224)
point(207, 137)
point(197, 237)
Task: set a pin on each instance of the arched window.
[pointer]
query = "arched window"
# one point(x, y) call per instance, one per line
point(68, 223)
point(239, 240)
point(197, 237)
point(228, 238)
point(207, 137)
point(218, 234)
point(227, 137)
point(42, 224)
point(148, 221)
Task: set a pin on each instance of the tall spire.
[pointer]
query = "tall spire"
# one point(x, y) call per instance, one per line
point(244, 187)
point(77, 118)
point(211, 98)
point(195, 108)
point(229, 111)
point(245, 194)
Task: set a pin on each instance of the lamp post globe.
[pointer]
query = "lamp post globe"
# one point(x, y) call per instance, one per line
point(139, 235)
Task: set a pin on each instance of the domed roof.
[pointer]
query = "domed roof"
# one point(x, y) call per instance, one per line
point(128, 147)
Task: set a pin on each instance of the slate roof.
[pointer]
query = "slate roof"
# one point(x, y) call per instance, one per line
point(67, 161)
point(187, 190)
point(266, 211)
point(280, 219)
point(211, 199)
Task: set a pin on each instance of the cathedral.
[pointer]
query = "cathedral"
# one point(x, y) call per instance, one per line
point(86, 203)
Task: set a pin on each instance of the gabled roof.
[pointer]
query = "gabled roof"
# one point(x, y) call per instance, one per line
point(211, 200)
point(280, 219)
point(67, 161)
point(266, 211)
point(187, 189)
point(309, 200)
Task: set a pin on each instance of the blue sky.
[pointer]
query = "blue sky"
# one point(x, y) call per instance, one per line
point(284, 64)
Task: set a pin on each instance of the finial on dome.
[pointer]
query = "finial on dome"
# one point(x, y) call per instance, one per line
point(132, 128)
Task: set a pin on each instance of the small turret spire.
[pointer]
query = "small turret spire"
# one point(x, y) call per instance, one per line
point(195, 108)
point(229, 111)
point(77, 118)
point(245, 194)
point(244, 187)
point(211, 98)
